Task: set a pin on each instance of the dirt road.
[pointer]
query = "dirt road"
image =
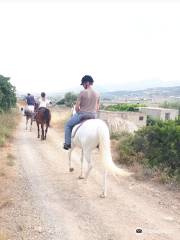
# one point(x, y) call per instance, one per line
point(47, 202)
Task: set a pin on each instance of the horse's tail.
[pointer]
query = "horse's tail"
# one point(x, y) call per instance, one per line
point(105, 151)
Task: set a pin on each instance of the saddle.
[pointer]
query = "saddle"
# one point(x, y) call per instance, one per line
point(28, 113)
point(45, 111)
point(82, 120)
point(86, 117)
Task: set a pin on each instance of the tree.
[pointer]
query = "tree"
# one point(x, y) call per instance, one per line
point(70, 98)
point(7, 94)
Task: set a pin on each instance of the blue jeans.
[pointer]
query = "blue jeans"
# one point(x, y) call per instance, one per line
point(75, 119)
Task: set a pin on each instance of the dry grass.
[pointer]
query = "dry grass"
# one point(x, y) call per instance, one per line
point(10, 159)
point(8, 123)
point(7, 179)
point(133, 161)
point(60, 115)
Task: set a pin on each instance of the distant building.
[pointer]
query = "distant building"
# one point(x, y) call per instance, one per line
point(160, 113)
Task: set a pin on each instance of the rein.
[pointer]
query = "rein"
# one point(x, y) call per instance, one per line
point(80, 124)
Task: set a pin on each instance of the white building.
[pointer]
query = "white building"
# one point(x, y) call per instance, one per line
point(160, 113)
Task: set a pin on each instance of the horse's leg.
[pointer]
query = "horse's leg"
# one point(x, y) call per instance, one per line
point(38, 129)
point(31, 124)
point(26, 122)
point(104, 193)
point(47, 125)
point(71, 169)
point(82, 165)
point(42, 131)
point(88, 159)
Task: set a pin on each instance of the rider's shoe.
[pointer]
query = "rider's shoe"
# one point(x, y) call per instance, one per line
point(67, 146)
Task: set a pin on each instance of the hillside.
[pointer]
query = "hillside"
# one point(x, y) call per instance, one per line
point(164, 92)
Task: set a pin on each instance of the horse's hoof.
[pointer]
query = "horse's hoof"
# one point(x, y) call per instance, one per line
point(80, 177)
point(102, 195)
point(71, 169)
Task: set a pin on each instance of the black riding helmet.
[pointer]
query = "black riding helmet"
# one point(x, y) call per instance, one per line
point(86, 78)
point(43, 94)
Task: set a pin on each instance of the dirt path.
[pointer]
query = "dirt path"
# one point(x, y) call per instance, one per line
point(47, 202)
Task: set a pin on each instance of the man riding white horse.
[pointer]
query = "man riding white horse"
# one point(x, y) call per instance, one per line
point(86, 107)
point(29, 109)
point(30, 103)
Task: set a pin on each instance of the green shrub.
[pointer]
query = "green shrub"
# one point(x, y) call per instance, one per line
point(124, 107)
point(156, 146)
point(160, 144)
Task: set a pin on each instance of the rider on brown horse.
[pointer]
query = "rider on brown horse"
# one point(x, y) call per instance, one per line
point(43, 103)
point(43, 115)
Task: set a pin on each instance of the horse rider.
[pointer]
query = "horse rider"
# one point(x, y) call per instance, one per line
point(30, 103)
point(43, 103)
point(86, 107)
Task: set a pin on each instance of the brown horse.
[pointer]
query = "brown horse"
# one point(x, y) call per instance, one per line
point(43, 118)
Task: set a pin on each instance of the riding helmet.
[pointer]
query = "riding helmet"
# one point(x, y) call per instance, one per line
point(86, 78)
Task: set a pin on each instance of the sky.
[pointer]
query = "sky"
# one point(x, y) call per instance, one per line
point(124, 45)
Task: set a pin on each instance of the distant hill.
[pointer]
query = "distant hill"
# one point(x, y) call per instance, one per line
point(147, 93)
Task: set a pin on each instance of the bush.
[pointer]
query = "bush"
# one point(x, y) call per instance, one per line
point(124, 148)
point(124, 107)
point(61, 102)
point(156, 147)
point(160, 144)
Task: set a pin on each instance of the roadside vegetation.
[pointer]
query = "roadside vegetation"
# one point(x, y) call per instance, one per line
point(7, 125)
point(156, 148)
point(8, 119)
point(68, 100)
point(8, 113)
point(124, 107)
point(174, 105)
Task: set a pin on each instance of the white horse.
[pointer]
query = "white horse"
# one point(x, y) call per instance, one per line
point(29, 113)
point(93, 133)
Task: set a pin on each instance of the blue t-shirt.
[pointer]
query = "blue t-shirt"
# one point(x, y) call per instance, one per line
point(30, 100)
